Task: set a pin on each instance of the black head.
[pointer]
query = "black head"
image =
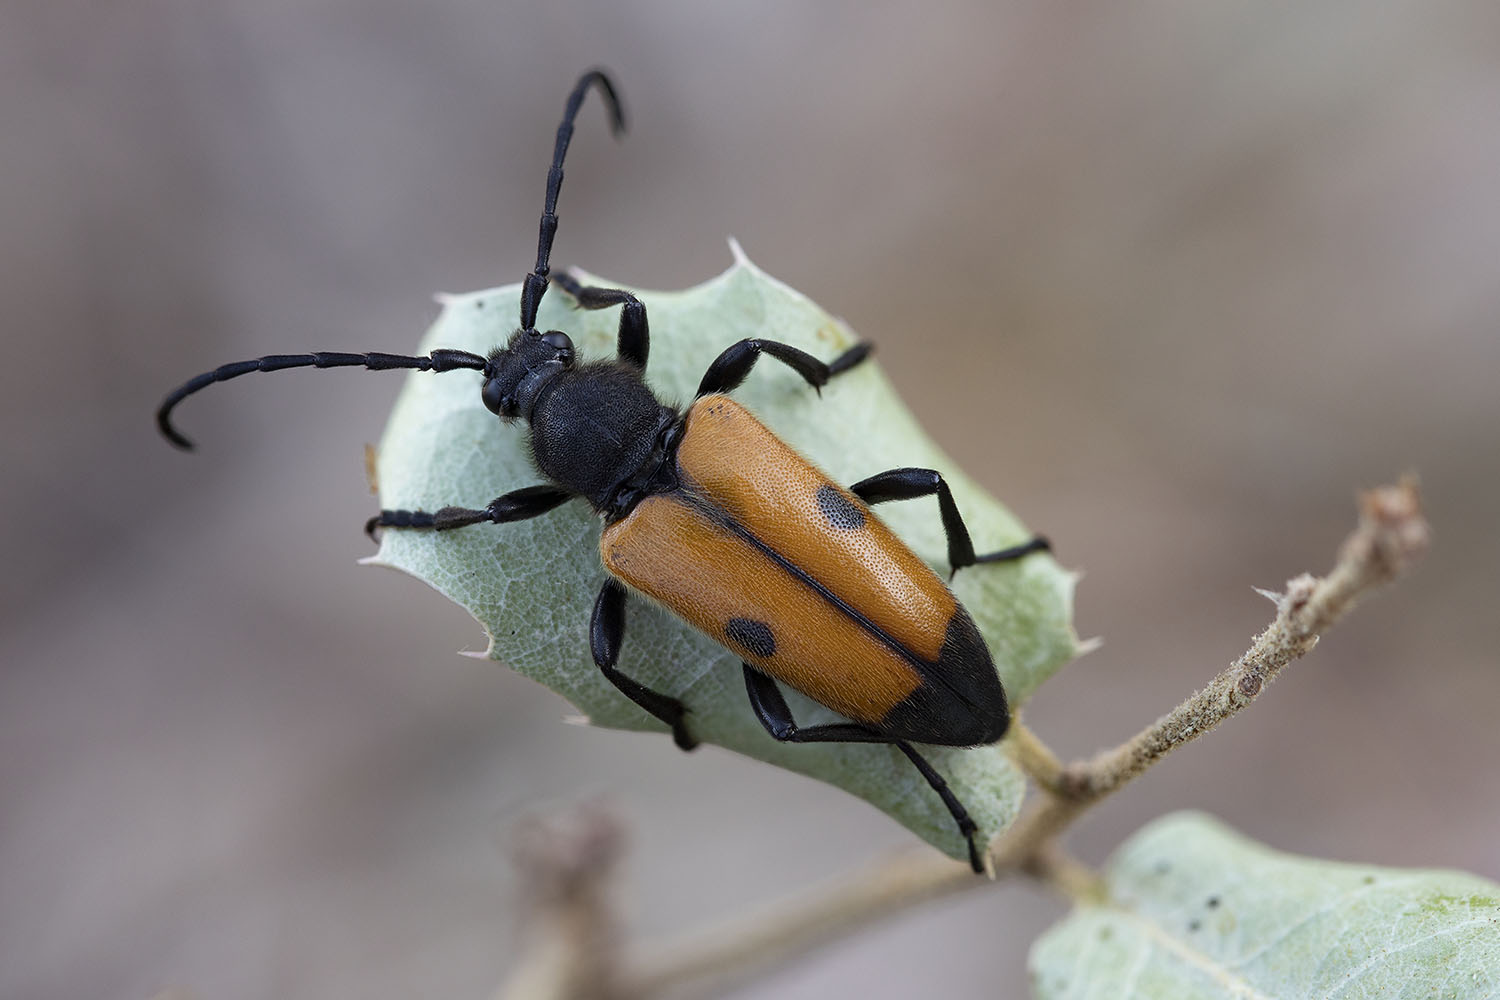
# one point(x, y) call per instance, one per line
point(515, 374)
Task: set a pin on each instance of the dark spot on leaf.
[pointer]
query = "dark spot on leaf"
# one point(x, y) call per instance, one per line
point(1213, 902)
point(1194, 925)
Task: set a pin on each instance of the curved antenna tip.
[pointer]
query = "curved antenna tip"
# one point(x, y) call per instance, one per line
point(171, 433)
point(611, 94)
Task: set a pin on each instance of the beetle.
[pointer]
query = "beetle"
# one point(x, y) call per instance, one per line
point(708, 513)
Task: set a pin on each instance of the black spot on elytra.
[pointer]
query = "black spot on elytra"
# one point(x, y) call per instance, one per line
point(752, 636)
point(839, 511)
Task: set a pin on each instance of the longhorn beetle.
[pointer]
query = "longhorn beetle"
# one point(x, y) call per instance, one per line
point(710, 514)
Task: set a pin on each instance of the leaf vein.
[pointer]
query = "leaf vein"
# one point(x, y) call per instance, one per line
point(1385, 955)
point(1215, 969)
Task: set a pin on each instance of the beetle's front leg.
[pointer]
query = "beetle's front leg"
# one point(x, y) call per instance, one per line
point(634, 340)
point(731, 367)
point(517, 505)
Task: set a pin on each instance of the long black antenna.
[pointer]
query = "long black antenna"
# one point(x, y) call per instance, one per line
point(536, 282)
point(442, 360)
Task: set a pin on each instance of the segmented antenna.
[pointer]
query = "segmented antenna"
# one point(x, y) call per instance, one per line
point(442, 360)
point(535, 284)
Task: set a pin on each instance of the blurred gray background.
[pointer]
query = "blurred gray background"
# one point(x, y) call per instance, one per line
point(1173, 280)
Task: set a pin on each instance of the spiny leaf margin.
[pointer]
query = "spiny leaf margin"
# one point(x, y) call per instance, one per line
point(532, 584)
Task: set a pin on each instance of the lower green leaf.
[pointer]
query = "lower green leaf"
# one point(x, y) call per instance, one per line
point(532, 584)
point(1197, 910)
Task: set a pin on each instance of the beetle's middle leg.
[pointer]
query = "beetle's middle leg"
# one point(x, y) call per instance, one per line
point(606, 635)
point(772, 711)
point(517, 505)
point(908, 484)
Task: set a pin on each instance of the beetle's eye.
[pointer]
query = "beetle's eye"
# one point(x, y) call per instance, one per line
point(558, 341)
point(492, 395)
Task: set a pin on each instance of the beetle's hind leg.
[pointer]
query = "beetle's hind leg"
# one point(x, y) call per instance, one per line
point(517, 505)
point(634, 342)
point(909, 484)
point(606, 635)
point(772, 711)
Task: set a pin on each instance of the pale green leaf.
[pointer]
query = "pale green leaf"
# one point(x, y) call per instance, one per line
point(1197, 910)
point(532, 584)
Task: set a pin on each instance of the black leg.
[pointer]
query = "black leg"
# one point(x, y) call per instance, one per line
point(772, 711)
point(771, 708)
point(850, 357)
point(966, 824)
point(518, 505)
point(732, 366)
point(606, 634)
point(908, 484)
point(635, 332)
